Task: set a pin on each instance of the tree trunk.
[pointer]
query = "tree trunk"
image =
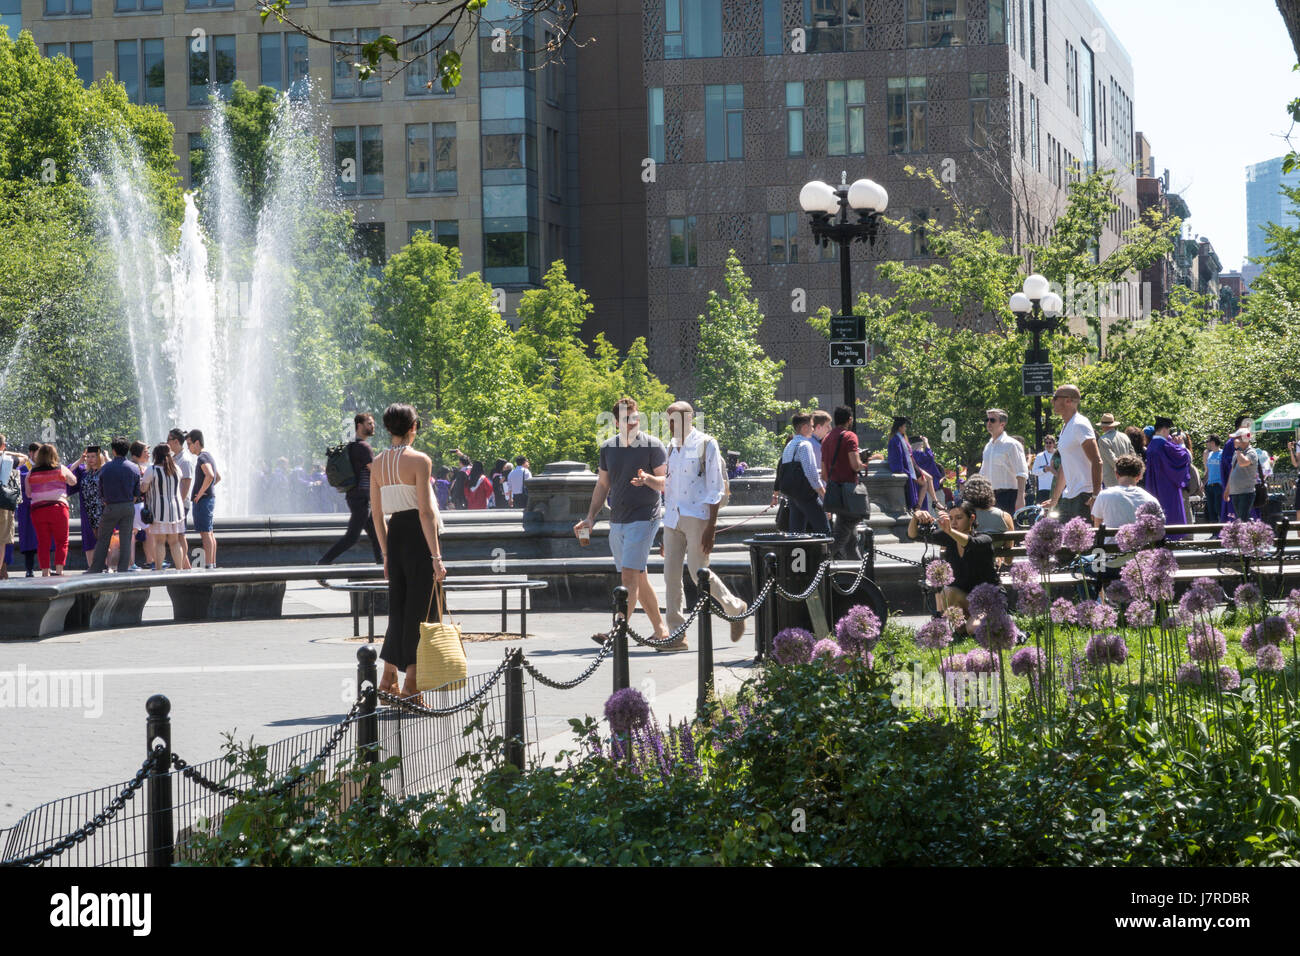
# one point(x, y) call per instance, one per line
point(1290, 10)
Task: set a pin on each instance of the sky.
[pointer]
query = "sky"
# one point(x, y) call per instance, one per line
point(1212, 79)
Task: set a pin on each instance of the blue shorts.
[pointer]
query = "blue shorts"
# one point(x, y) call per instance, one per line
point(630, 543)
point(202, 511)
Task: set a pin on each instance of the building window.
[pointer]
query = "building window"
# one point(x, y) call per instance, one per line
point(1020, 27)
point(555, 163)
point(1033, 130)
point(692, 29)
point(510, 249)
point(196, 148)
point(208, 4)
point(1044, 22)
point(140, 70)
point(1021, 88)
point(133, 6)
point(906, 118)
point(681, 241)
point(445, 232)
point(359, 160)
point(724, 122)
point(920, 233)
point(936, 23)
point(773, 28)
point(347, 85)
point(492, 60)
point(1085, 82)
point(282, 63)
point(422, 77)
point(431, 157)
point(552, 70)
point(655, 115)
point(369, 242)
point(554, 242)
point(794, 118)
point(782, 237)
point(64, 8)
point(213, 66)
point(1033, 39)
point(82, 57)
point(997, 21)
point(979, 110)
point(835, 26)
point(846, 117)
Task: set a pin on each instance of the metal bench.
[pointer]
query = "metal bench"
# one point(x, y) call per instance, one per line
point(366, 590)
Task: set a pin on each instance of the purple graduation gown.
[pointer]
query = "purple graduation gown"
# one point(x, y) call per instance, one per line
point(900, 452)
point(1167, 475)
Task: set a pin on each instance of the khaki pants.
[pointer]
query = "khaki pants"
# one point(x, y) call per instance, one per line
point(684, 543)
point(6, 527)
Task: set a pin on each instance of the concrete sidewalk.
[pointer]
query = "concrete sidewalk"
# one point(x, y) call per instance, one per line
point(271, 679)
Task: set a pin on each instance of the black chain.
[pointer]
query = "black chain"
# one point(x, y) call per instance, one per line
point(406, 705)
point(862, 573)
point(811, 589)
point(225, 790)
point(80, 834)
point(899, 557)
point(673, 636)
point(541, 678)
point(749, 611)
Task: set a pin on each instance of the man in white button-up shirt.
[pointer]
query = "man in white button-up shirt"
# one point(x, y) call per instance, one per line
point(693, 490)
point(1004, 463)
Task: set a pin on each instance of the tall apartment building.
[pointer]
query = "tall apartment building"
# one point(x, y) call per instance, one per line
point(486, 167)
point(746, 100)
point(1265, 204)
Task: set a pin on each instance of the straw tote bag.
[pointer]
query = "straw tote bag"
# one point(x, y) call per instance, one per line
point(440, 662)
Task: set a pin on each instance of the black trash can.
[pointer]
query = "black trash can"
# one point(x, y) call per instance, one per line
point(798, 556)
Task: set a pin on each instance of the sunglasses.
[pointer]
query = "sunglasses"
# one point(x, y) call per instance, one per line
point(991, 421)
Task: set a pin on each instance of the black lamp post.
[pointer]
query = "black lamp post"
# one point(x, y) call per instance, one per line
point(828, 207)
point(1037, 311)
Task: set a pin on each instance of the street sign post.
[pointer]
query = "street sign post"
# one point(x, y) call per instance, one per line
point(848, 328)
point(848, 354)
point(1036, 380)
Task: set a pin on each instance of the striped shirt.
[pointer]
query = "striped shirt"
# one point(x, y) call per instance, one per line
point(47, 486)
point(163, 494)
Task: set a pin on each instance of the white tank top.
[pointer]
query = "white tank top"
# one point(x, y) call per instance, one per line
point(393, 494)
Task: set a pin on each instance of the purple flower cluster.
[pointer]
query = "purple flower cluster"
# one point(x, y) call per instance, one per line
point(1202, 597)
point(1032, 600)
point(1189, 675)
point(1271, 630)
point(996, 631)
point(1140, 614)
point(1117, 593)
point(1269, 659)
point(938, 574)
point(827, 652)
point(1128, 538)
point(1023, 575)
point(980, 661)
point(1250, 539)
point(792, 646)
point(1028, 662)
point(1150, 575)
point(1095, 615)
point(934, 634)
point(953, 664)
point(955, 616)
point(1106, 649)
point(1206, 643)
point(986, 599)
point(1042, 542)
point(1247, 594)
point(1228, 678)
point(626, 710)
point(858, 630)
point(1078, 536)
point(1062, 611)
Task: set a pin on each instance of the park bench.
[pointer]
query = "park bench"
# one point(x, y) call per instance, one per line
point(368, 592)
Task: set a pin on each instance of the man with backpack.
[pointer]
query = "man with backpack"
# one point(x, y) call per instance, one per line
point(348, 470)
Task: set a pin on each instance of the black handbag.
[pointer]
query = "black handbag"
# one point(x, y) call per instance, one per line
point(846, 498)
point(10, 492)
point(783, 515)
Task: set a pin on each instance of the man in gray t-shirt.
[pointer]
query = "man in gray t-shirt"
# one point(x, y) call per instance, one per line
point(636, 510)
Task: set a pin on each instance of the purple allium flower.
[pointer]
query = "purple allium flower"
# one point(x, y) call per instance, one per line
point(1257, 540)
point(1078, 536)
point(1032, 600)
point(858, 630)
point(1023, 575)
point(1150, 527)
point(938, 574)
point(1140, 614)
point(1293, 599)
point(1042, 542)
point(1206, 643)
point(826, 651)
point(1189, 675)
point(1127, 538)
point(1247, 594)
point(996, 631)
point(1028, 662)
point(1269, 659)
point(626, 710)
point(1292, 615)
point(1106, 649)
point(953, 664)
point(1062, 611)
point(1150, 575)
point(1228, 678)
point(954, 616)
point(1150, 508)
point(980, 661)
point(793, 646)
point(1201, 597)
point(1095, 615)
point(1230, 536)
point(1117, 593)
point(1277, 629)
point(934, 634)
point(1252, 639)
point(986, 599)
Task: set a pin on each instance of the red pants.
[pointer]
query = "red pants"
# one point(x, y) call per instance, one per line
point(51, 524)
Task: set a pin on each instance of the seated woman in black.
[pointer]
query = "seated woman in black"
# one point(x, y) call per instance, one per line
point(969, 552)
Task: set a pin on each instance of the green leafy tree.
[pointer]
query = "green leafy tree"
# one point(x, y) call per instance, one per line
point(735, 381)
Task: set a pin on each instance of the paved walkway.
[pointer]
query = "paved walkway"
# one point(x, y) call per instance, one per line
point(273, 679)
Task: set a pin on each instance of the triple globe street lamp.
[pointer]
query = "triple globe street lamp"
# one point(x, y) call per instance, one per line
point(1037, 310)
point(829, 209)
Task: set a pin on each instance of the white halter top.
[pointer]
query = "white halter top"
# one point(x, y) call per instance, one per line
point(394, 495)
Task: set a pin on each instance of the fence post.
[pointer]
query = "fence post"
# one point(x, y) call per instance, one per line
point(869, 540)
point(622, 675)
point(770, 619)
point(368, 691)
point(160, 835)
point(515, 728)
point(705, 682)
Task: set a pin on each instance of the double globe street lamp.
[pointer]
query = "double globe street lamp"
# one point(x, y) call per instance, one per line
point(1037, 310)
point(829, 209)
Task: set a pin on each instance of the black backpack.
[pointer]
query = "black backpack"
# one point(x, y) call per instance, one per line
point(338, 467)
